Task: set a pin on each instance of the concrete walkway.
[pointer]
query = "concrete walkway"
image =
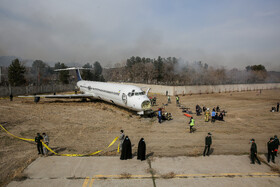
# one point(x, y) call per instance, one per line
point(165, 171)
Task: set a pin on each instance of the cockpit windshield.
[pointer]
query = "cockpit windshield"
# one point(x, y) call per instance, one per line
point(130, 94)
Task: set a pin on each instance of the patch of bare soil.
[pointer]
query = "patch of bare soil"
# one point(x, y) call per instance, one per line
point(86, 127)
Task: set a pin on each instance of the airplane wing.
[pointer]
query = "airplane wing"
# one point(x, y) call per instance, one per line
point(69, 96)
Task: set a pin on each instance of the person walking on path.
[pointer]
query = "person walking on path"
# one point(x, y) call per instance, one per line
point(141, 152)
point(270, 150)
point(254, 152)
point(38, 140)
point(46, 141)
point(191, 124)
point(208, 143)
point(126, 149)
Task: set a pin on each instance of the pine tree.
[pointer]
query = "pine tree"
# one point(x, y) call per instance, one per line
point(87, 74)
point(16, 73)
point(63, 75)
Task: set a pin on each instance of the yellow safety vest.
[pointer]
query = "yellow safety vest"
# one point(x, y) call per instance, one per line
point(192, 122)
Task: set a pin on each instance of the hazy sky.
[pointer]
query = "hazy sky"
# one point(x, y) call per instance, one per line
point(229, 33)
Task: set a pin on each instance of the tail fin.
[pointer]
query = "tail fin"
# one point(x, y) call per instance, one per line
point(78, 75)
point(76, 69)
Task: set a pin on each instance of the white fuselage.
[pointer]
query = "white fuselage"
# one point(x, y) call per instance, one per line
point(128, 96)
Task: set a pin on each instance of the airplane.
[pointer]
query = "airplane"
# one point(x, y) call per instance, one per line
point(127, 96)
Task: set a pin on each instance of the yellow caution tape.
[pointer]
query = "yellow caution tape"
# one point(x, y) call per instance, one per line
point(71, 155)
point(118, 147)
point(32, 140)
point(4, 98)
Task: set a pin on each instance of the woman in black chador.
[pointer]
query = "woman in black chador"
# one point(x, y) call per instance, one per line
point(141, 153)
point(126, 149)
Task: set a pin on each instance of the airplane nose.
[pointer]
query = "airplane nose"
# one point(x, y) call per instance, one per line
point(146, 105)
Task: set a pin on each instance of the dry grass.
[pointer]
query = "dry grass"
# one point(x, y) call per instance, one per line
point(169, 175)
point(110, 153)
point(21, 177)
point(151, 171)
point(82, 127)
point(126, 175)
point(275, 169)
point(195, 152)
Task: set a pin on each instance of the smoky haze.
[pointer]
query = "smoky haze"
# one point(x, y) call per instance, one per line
point(227, 34)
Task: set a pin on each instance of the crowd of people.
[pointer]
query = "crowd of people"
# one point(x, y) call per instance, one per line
point(216, 114)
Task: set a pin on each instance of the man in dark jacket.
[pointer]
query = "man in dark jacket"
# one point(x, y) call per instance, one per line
point(254, 152)
point(270, 150)
point(276, 145)
point(11, 97)
point(208, 142)
point(38, 140)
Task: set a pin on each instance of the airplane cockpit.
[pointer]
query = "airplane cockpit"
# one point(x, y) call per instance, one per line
point(133, 93)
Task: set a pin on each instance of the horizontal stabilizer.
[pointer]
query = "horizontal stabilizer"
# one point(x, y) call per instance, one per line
point(77, 69)
point(72, 68)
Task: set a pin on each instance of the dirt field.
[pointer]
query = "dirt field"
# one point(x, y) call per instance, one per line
point(85, 127)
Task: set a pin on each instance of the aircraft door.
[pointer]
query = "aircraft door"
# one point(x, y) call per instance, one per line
point(124, 98)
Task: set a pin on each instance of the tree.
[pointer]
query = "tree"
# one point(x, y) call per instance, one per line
point(63, 75)
point(16, 73)
point(258, 73)
point(97, 72)
point(40, 71)
point(87, 74)
point(158, 64)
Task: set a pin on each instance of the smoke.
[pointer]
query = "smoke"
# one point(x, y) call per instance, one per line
point(112, 31)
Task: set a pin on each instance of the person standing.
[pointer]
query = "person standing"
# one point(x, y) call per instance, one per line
point(126, 149)
point(208, 143)
point(207, 114)
point(11, 97)
point(46, 141)
point(177, 100)
point(277, 107)
point(213, 114)
point(121, 138)
point(141, 152)
point(38, 140)
point(276, 145)
point(168, 99)
point(270, 150)
point(159, 115)
point(191, 124)
point(254, 152)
